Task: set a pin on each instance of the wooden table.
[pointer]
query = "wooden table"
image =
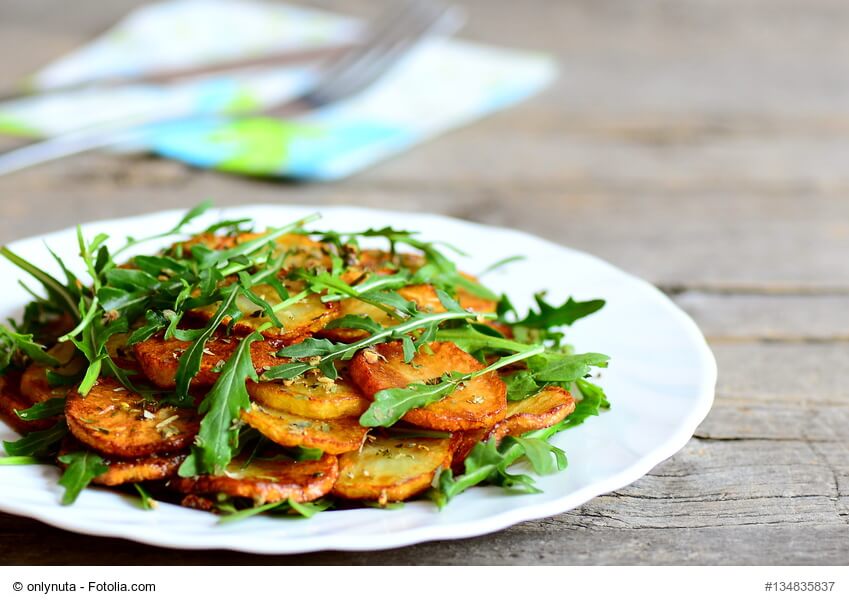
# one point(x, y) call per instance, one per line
point(700, 144)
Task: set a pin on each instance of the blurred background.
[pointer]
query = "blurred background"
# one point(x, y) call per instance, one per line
point(700, 144)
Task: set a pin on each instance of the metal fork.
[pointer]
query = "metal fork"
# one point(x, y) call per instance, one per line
point(386, 42)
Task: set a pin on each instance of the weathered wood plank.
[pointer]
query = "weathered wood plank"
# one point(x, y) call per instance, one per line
point(709, 241)
point(786, 371)
point(724, 317)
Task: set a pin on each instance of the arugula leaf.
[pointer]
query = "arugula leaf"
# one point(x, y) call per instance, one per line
point(82, 468)
point(13, 344)
point(551, 367)
point(539, 453)
point(216, 439)
point(56, 291)
point(390, 405)
point(549, 316)
point(306, 510)
point(190, 361)
point(356, 322)
point(37, 443)
point(42, 410)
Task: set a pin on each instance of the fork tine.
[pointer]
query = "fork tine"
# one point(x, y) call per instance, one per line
point(379, 65)
point(374, 59)
point(375, 34)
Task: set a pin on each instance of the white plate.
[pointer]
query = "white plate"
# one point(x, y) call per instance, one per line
point(661, 383)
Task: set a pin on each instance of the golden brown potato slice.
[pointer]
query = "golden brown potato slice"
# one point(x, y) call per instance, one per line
point(267, 481)
point(144, 469)
point(128, 471)
point(478, 403)
point(300, 320)
point(159, 358)
point(34, 384)
point(544, 409)
point(330, 435)
point(312, 395)
point(391, 469)
point(120, 423)
point(11, 400)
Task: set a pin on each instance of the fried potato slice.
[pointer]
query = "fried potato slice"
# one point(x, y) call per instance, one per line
point(267, 481)
point(312, 395)
point(300, 319)
point(11, 400)
point(541, 410)
point(479, 403)
point(391, 469)
point(159, 358)
point(129, 471)
point(34, 384)
point(120, 423)
point(333, 436)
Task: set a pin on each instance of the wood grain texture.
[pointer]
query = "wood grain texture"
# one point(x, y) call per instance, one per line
point(700, 144)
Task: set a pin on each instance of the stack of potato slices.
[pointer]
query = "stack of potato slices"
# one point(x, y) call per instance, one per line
point(267, 370)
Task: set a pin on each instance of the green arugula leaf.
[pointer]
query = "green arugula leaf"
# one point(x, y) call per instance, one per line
point(56, 291)
point(13, 344)
point(306, 510)
point(545, 458)
point(390, 405)
point(552, 367)
point(549, 316)
point(37, 443)
point(356, 322)
point(190, 361)
point(42, 410)
point(82, 468)
point(220, 408)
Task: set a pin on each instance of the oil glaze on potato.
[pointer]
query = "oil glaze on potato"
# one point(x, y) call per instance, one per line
point(391, 469)
point(479, 403)
point(119, 423)
point(334, 436)
point(266, 481)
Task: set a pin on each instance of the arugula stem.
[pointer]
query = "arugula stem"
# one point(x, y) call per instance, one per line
point(49, 282)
